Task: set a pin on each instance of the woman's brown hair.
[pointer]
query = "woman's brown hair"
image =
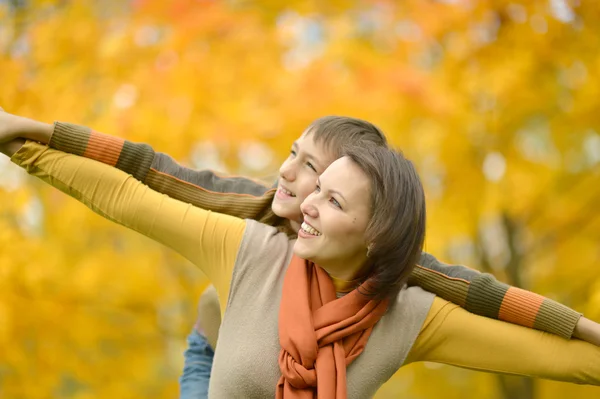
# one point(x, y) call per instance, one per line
point(396, 231)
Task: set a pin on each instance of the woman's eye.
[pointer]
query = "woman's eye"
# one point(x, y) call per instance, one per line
point(310, 165)
point(335, 202)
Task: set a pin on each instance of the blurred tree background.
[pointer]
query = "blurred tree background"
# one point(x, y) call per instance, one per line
point(496, 101)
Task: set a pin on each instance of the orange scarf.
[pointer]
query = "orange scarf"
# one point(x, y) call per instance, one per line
point(319, 334)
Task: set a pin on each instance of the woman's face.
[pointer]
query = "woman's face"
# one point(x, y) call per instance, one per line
point(336, 216)
point(298, 176)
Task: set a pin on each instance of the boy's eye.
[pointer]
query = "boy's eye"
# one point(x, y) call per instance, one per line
point(335, 202)
point(292, 152)
point(317, 189)
point(310, 165)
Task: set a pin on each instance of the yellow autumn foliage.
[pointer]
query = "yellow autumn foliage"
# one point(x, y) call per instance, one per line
point(496, 102)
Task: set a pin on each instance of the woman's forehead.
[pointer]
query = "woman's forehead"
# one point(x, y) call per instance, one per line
point(347, 178)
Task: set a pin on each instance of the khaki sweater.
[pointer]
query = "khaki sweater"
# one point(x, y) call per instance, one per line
point(250, 326)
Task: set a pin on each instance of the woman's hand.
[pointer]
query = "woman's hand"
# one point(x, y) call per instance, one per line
point(12, 146)
point(587, 330)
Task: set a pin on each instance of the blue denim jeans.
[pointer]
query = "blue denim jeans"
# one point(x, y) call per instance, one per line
point(196, 370)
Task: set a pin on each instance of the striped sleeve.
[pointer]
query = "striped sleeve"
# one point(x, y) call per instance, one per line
point(482, 294)
point(232, 195)
point(135, 159)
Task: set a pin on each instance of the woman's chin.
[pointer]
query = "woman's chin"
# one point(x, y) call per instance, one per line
point(301, 251)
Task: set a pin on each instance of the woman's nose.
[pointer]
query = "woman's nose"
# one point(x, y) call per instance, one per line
point(308, 208)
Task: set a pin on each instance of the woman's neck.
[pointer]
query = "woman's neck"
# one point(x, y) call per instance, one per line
point(348, 274)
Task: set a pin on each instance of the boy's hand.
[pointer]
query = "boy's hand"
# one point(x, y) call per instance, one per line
point(13, 126)
point(9, 129)
point(588, 330)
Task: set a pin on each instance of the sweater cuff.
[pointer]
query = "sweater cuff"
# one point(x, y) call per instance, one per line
point(556, 318)
point(70, 138)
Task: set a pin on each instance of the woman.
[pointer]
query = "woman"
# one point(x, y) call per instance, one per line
point(247, 263)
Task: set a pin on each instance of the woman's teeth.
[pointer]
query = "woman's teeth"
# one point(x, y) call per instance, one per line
point(308, 229)
point(283, 190)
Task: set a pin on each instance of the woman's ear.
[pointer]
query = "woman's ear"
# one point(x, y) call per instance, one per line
point(369, 249)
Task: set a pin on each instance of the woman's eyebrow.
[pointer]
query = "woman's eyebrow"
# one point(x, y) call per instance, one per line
point(331, 190)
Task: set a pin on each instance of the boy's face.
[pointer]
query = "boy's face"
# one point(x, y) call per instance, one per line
point(298, 176)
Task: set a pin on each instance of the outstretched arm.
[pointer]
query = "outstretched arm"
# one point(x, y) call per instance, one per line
point(454, 336)
point(232, 195)
point(209, 240)
point(482, 294)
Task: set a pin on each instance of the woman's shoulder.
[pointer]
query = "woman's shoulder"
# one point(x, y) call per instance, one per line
point(412, 302)
point(413, 295)
point(260, 230)
point(265, 242)
point(261, 261)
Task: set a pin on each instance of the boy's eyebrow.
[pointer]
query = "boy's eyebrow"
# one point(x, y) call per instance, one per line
point(307, 154)
point(331, 190)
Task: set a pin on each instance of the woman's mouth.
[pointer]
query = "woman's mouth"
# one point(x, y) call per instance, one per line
point(306, 230)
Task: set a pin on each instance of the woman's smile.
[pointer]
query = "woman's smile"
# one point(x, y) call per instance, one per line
point(307, 231)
